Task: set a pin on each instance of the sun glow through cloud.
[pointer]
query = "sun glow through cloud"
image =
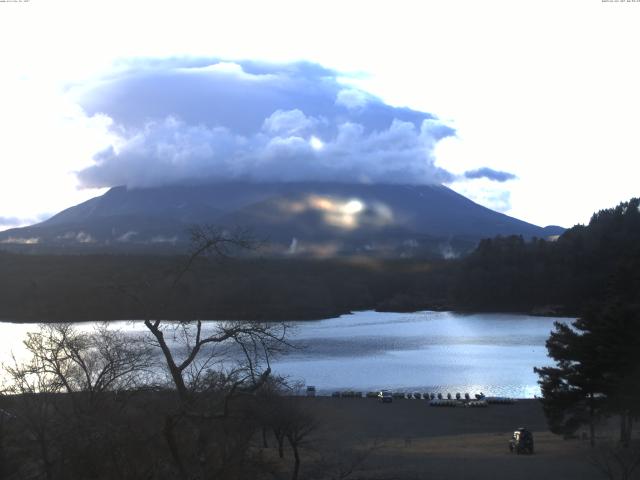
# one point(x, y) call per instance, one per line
point(353, 207)
point(348, 213)
point(316, 143)
point(339, 213)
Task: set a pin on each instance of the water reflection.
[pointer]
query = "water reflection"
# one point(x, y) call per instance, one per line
point(423, 351)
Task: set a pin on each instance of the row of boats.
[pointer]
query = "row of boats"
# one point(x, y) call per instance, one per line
point(435, 399)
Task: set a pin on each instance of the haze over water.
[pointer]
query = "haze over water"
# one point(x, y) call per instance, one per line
point(422, 351)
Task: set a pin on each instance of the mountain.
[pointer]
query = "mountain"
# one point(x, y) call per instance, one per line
point(302, 218)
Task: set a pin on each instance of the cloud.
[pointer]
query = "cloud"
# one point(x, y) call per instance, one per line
point(80, 237)
point(500, 201)
point(490, 174)
point(7, 222)
point(11, 221)
point(352, 98)
point(289, 122)
point(127, 237)
point(21, 240)
point(185, 121)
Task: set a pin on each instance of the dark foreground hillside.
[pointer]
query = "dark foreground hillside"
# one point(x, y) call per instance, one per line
point(408, 439)
point(339, 439)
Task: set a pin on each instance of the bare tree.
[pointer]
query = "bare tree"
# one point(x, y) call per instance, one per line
point(36, 413)
point(273, 411)
point(87, 363)
point(300, 425)
point(89, 368)
point(190, 349)
point(209, 364)
point(616, 462)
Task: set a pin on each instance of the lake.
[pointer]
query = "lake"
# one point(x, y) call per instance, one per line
point(423, 351)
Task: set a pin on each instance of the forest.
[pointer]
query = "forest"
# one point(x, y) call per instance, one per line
point(507, 274)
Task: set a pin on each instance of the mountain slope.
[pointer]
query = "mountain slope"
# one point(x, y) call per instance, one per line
point(309, 218)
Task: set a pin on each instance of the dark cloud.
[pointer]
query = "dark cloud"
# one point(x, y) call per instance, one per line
point(178, 121)
point(238, 96)
point(490, 174)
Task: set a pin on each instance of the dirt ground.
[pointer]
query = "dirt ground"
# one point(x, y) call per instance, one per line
point(408, 439)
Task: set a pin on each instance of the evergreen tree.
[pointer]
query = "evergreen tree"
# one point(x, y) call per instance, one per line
point(573, 390)
point(616, 327)
point(597, 370)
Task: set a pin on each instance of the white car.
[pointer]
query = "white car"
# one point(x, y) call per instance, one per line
point(385, 396)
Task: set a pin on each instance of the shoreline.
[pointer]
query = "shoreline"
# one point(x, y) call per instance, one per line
point(458, 311)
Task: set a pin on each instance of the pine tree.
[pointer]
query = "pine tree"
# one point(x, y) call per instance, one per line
point(573, 390)
point(597, 370)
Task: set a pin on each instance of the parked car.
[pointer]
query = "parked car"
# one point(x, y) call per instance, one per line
point(311, 391)
point(385, 396)
point(521, 441)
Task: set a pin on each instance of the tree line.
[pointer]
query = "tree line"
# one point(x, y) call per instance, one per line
point(585, 264)
point(71, 288)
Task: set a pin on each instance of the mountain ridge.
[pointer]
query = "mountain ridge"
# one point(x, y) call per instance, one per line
point(331, 217)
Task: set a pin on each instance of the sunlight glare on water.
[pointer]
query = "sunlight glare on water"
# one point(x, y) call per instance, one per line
point(424, 351)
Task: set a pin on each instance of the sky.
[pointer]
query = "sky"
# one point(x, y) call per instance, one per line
point(527, 107)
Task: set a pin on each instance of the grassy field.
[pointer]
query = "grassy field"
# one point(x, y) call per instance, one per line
point(408, 439)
